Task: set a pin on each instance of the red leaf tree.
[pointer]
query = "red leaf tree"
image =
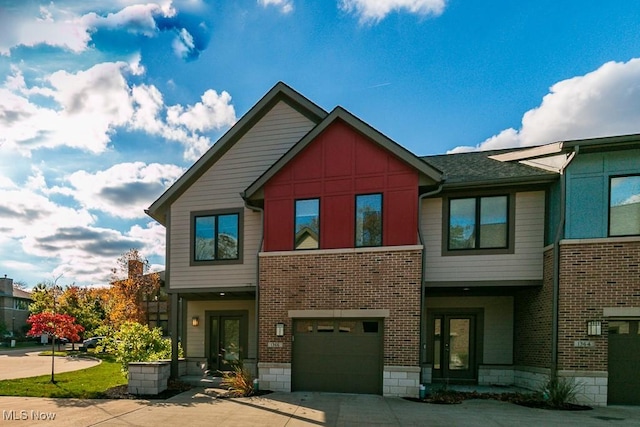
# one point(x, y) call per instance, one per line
point(55, 325)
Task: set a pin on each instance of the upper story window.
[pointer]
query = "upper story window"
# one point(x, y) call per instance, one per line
point(624, 206)
point(307, 224)
point(369, 220)
point(478, 223)
point(216, 237)
point(20, 304)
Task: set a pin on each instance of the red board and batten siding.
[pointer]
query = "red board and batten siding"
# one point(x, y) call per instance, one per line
point(339, 164)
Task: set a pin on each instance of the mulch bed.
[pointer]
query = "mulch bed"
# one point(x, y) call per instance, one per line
point(122, 392)
point(454, 397)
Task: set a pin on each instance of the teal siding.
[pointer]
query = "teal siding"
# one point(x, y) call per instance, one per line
point(553, 212)
point(588, 190)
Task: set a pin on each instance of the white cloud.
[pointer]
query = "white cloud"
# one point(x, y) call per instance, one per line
point(66, 238)
point(63, 27)
point(603, 102)
point(376, 10)
point(93, 104)
point(285, 6)
point(123, 190)
point(213, 112)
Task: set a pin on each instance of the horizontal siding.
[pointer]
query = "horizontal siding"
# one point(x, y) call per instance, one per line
point(524, 264)
point(220, 188)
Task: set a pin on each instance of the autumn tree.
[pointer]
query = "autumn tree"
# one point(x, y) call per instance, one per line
point(131, 284)
point(55, 325)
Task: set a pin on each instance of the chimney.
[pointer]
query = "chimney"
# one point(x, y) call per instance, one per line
point(136, 268)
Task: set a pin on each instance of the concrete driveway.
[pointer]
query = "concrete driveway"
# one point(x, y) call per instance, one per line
point(24, 363)
point(197, 408)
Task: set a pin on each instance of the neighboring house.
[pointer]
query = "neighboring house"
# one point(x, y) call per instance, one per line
point(153, 304)
point(14, 306)
point(325, 257)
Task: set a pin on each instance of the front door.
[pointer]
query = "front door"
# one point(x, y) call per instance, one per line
point(226, 347)
point(453, 347)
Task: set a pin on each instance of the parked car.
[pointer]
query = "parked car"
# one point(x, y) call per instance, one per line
point(91, 342)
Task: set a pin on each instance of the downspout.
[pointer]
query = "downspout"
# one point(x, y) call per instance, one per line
point(257, 299)
point(423, 327)
point(556, 264)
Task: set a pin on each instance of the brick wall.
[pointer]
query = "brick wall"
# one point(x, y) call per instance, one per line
point(593, 276)
point(533, 321)
point(388, 279)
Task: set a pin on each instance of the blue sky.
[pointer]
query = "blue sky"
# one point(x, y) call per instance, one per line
point(103, 104)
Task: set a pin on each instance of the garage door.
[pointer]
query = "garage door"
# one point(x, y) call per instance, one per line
point(624, 362)
point(336, 355)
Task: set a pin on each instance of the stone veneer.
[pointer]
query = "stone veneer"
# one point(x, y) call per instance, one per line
point(148, 378)
point(347, 280)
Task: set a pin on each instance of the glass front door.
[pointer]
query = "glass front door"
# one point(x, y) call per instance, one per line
point(225, 343)
point(453, 345)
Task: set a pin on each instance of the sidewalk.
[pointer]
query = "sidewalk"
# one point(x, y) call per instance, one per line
point(196, 408)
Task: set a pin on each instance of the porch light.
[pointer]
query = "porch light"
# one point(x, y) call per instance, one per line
point(195, 321)
point(594, 327)
point(279, 329)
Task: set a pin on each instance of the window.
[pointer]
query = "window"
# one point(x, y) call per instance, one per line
point(20, 304)
point(478, 223)
point(216, 237)
point(369, 220)
point(624, 206)
point(307, 226)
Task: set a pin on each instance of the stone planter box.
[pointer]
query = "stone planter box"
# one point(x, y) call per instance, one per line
point(148, 378)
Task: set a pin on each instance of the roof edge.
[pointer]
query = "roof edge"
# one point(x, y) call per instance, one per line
point(279, 92)
point(339, 113)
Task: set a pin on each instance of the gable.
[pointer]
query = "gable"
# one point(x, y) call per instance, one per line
point(280, 93)
point(335, 167)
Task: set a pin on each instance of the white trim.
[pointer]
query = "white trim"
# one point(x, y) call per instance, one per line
point(357, 313)
point(628, 239)
point(621, 311)
point(344, 251)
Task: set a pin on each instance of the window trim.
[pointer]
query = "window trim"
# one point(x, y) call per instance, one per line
point(611, 177)
point(192, 236)
point(355, 220)
point(511, 221)
point(295, 216)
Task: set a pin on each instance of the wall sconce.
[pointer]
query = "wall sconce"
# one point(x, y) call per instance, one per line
point(594, 327)
point(279, 329)
point(195, 321)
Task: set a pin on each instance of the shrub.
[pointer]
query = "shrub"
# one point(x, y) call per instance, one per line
point(560, 391)
point(135, 342)
point(238, 381)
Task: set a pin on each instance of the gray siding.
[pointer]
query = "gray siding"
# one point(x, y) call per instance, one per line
point(524, 264)
point(220, 188)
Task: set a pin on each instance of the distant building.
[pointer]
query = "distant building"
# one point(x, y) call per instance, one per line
point(154, 304)
point(14, 306)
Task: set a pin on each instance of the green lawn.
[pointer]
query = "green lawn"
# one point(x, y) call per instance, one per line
point(88, 383)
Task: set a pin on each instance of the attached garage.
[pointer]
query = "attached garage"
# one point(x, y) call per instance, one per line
point(338, 355)
point(624, 362)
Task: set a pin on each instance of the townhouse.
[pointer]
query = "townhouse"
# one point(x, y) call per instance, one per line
point(324, 256)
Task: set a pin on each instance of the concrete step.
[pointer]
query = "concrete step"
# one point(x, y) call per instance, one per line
point(202, 381)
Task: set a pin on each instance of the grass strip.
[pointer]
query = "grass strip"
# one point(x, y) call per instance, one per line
point(90, 383)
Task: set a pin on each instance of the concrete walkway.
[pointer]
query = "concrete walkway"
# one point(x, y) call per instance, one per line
point(24, 363)
point(197, 408)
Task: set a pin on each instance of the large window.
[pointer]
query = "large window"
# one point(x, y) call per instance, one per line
point(624, 206)
point(307, 227)
point(216, 236)
point(478, 223)
point(369, 220)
